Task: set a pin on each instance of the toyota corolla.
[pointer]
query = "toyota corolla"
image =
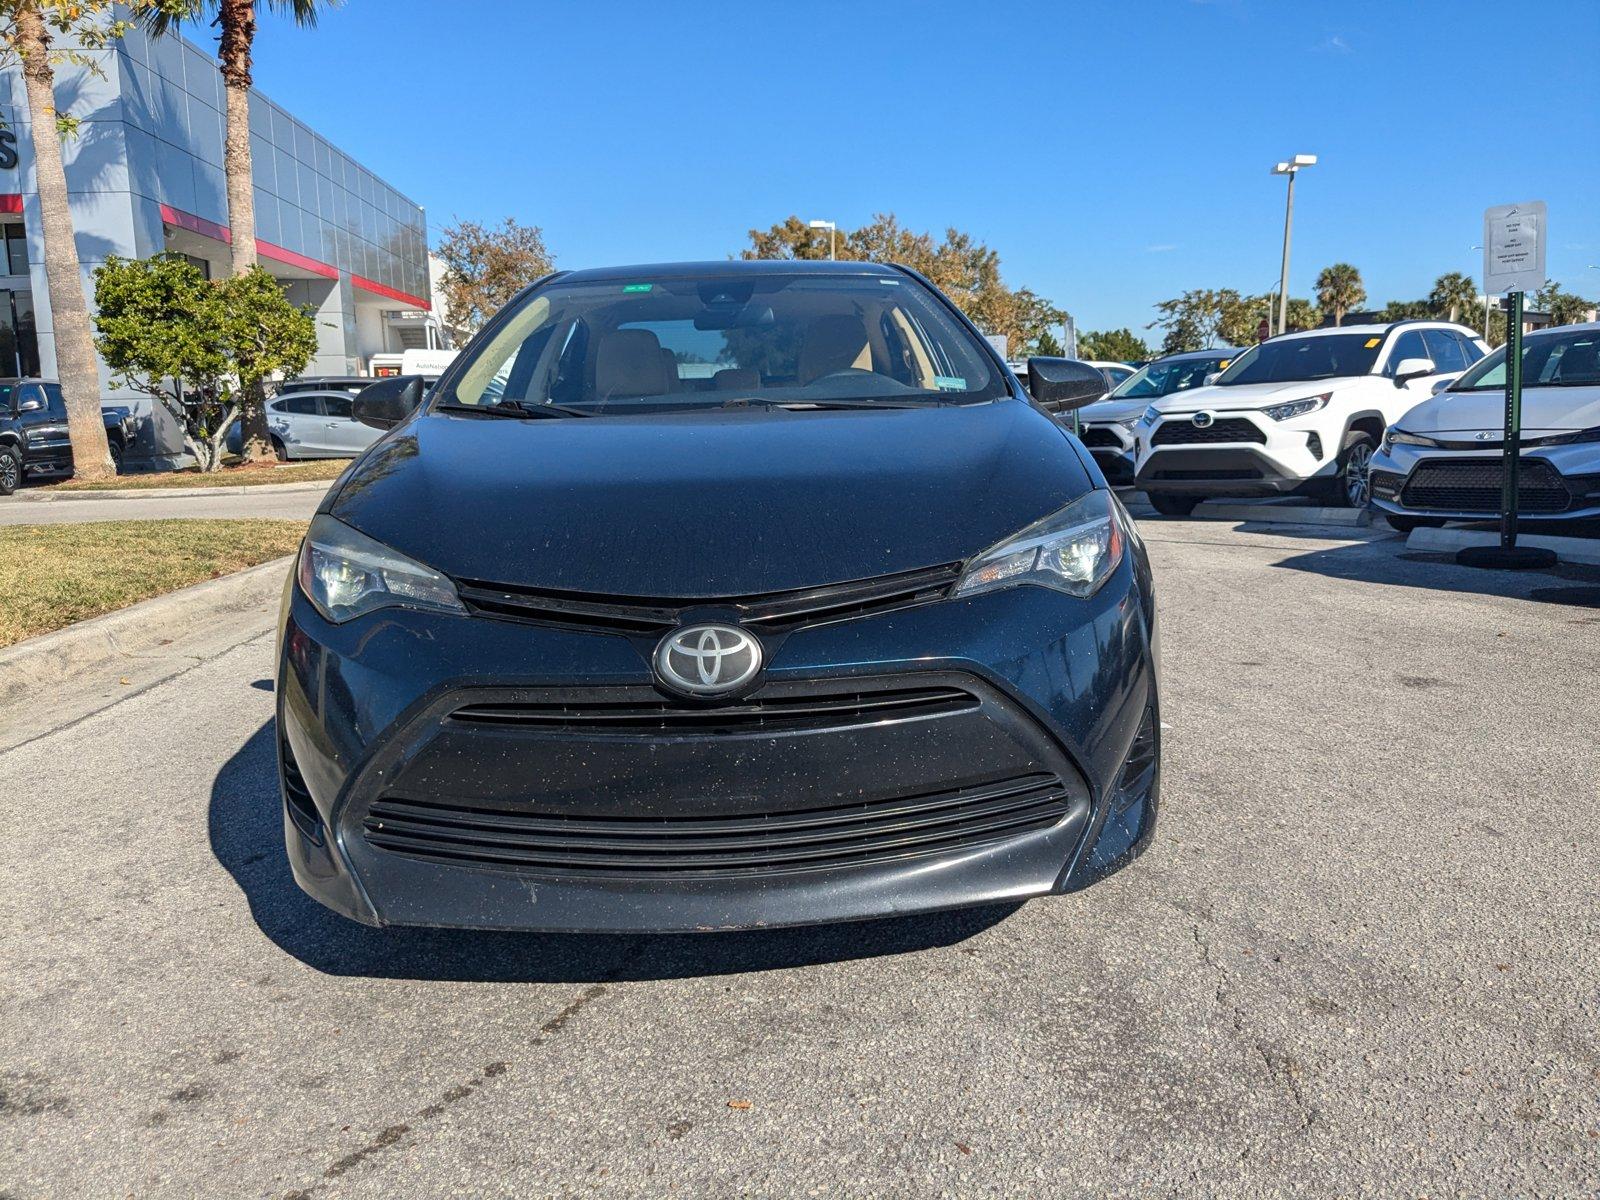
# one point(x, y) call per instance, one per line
point(717, 596)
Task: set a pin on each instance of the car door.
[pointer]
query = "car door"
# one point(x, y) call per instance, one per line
point(297, 420)
point(1401, 396)
point(346, 436)
point(45, 424)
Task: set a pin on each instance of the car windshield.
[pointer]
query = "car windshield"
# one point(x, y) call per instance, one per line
point(1167, 376)
point(1299, 359)
point(657, 343)
point(1570, 359)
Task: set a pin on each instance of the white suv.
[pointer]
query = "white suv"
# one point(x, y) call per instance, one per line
point(1302, 413)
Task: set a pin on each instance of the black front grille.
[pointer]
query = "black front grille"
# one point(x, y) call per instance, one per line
point(1475, 486)
point(302, 809)
point(1187, 433)
point(1102, 437)
point(813, 839)
point(772, 715)
point(769, 610)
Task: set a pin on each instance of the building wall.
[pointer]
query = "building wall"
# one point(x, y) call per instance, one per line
point(145, 174)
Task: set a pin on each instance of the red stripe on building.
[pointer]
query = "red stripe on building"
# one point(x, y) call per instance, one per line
point(290, 258)
point(194, 224)
point(11, 203)
point(379, 289)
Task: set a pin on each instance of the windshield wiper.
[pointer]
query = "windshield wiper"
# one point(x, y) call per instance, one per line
point(797, 403)
point(518, 408)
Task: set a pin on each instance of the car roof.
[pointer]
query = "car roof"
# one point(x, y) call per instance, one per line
point(741, 266)
point(1551, 330)
point(1209, 352)
point(1374, 329)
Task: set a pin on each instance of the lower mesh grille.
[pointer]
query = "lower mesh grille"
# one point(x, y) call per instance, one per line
point(845, 835)
point(1101, 437)
point(302, 809)
point(1475, 487)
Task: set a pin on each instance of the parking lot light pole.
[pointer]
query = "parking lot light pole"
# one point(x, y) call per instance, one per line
point(833, 236)
point(1291, 169)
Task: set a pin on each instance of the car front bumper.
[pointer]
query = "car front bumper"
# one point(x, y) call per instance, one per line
point(473, 772)
point(1111, 444)
point(1245, 453)
point(1555, 483)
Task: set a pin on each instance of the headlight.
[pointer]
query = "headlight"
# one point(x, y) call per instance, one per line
point(1128, 424)
point(1393, 436)
point(1297, 408)
point(1074, 551)
point(345, 573)
point(1568, 439)
point(1150, 415)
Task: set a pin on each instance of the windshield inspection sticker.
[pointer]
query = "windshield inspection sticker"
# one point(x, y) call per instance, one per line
point(950, 383)
point(1371, 342)
point(638, 287)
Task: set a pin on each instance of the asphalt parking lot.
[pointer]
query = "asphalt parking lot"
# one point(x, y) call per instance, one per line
point(1362, 956)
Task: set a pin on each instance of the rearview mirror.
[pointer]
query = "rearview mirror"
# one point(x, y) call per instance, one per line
point(386, 403)
point(1413, 368)
point(1062, 384)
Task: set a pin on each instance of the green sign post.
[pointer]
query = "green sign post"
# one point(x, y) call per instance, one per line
point(1511, 456)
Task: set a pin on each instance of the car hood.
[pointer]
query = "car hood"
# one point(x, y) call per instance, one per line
point(1102, 411)
point(1544, 409)
point(721, 503)
point(1243, 395)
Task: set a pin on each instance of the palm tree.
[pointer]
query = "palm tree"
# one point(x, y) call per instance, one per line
point(237, 21)
point(1339, 289)
point(1452, 293)
point(1569, 309)
point(29, 37)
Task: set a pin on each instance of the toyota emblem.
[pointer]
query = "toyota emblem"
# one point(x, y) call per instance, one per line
point(707, 660)
point(1486, 436)
point(1202, 419)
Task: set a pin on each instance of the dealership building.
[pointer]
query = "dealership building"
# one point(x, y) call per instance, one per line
point(144, 172)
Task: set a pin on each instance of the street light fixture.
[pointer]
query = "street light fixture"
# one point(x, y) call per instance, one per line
point(833, 236)
point(1291, 169)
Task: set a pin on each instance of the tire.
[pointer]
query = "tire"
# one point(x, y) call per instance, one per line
point(1172, 506)
point(116, 455)
point(1406, 524)
point(10, 470)
point(1352, 485)
point(279, 449)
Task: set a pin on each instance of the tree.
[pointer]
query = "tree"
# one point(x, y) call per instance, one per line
point(1567, 309)
point(962, 267)
point(1193, 320)
point(236, 20)
point(1113, 345)
point(197, 346)
point(1302, 314)
point(1339, 289)
point(1409, 310)
point(485, 267)
point(1452, 294)
point(1239, 317)
point(29, 30)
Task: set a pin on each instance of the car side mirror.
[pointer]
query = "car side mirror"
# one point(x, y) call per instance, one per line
point(29, 405)
point(1443, 383)
point(1413, 368)
point(1062, 384)
point(1211, 378)
point(386, 403)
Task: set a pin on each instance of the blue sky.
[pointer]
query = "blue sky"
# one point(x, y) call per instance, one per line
point(1114, 153)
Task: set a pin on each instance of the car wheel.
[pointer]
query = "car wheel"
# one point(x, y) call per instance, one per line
point(1173, 506)
point(1354, 477)
point(116, 455)
point(1406, 524)
point(279, 449)
point(10, 470)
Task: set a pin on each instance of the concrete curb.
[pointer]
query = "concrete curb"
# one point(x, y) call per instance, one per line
point(269, 489)
point(161, 630)
point(1585, 551)
point(1282, 514)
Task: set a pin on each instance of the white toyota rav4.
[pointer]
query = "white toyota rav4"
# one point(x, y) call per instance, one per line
point(1302, 413)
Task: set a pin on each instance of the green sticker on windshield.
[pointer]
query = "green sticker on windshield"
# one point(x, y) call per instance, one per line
point(950, 383)
point(638, 287)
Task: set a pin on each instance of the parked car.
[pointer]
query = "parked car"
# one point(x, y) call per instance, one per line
point(1301, 413)
point(1443, 460)
point(843, 629)
point(1107, 425)
point(33, 431)
point(324, 383)
point(1115, 372)
point(311, 425)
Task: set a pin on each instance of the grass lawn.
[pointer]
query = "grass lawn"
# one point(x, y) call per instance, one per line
point(53, 575)
point(299, 472)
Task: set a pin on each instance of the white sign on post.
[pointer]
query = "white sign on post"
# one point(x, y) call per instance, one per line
point(1513, 248)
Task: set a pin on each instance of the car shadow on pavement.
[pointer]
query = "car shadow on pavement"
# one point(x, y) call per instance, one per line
point(246, 829)
point(1387, 561)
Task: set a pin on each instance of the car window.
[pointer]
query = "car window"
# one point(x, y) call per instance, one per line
point(298, 404)
point(702, 341)
point(1408, 345)
point(1302, 359)
point(6, 391)
point(1557, 359)
point(337, 406)
point(55, 400)
point(1469, 348)
point(1163, 378)
point(1445, 350)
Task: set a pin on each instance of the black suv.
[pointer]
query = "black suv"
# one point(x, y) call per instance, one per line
point(33, 431)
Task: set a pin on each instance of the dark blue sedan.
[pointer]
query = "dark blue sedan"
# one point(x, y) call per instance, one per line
point(717, 596)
